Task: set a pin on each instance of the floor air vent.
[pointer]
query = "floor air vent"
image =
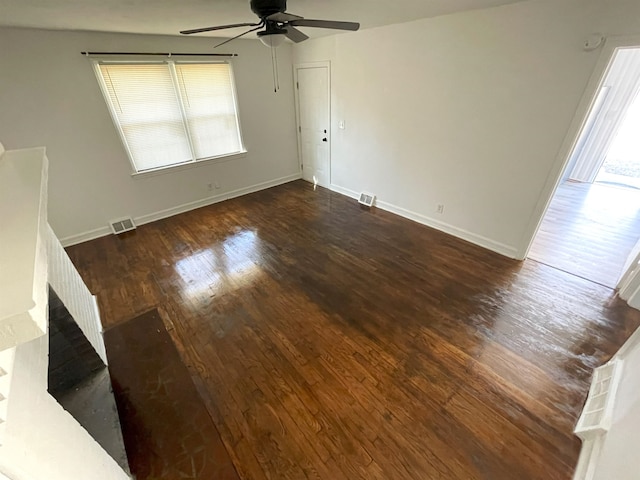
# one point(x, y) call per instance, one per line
point(596, 416)
point(122, 225)
point(366, 199)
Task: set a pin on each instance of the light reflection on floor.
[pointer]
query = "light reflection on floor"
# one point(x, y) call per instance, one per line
point(589, 231)
point(217, 270)
point(619, 202)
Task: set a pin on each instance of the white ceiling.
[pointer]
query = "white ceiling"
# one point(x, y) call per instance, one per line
point(171, 16)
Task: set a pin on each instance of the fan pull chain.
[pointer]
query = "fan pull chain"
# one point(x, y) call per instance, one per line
point(274, 66)
point(277, 71)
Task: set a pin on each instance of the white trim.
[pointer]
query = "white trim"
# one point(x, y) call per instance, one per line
point(344, 191)
point(301, 66)
point(85, 236)
point(589, 456)
point(324, 63)
point(188, 165)
point(169, 212)
point(612, 44)
point(501, 248)
point(185, 207)
point(632, 342)
point(593, 441)
point(596, 418)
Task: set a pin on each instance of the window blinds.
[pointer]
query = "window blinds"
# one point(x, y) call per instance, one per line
point(210, 107)
point(170, 114)
point(145, 104)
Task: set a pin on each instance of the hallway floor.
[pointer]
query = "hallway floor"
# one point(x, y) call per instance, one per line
point(589, 231)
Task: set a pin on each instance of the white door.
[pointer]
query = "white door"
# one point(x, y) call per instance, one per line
point(313, 123)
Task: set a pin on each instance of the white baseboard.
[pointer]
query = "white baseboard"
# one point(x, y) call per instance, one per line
point(169, 212)
point(344, 191)
point(85, 236)
point(501, 248)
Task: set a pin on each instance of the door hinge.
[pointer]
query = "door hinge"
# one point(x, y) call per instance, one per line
point(299, 129)
point(298, 85)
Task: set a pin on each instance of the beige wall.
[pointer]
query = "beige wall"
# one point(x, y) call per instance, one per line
point(49, 97)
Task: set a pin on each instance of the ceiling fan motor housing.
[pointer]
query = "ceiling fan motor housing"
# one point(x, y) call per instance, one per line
point(272, 28)
point(280, 31)
point(264, 8)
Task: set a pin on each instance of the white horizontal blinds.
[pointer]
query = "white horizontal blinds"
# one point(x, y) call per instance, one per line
point(144, 101)
point(210, 108)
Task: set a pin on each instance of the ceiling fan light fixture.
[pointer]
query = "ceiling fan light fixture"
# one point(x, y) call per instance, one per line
point(272, 40)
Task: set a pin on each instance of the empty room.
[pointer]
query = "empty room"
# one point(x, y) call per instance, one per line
point(288, 240)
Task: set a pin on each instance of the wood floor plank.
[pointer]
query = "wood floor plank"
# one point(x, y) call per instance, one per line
point(589, 230)
point(333, 341)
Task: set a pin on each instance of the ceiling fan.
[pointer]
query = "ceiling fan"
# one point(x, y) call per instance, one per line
point(277, 24)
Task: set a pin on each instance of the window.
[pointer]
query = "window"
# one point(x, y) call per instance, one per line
point(172, 113)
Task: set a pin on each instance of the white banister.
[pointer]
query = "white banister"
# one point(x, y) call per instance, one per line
point(38, 438)
point(68, 285)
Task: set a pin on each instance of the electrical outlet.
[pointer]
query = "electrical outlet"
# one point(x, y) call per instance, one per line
point(341, 124)
point(440, 209)
point(217, 185)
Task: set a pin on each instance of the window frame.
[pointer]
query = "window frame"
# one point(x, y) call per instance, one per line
point(171, 64)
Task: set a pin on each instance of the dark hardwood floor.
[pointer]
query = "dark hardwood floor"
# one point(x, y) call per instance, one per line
point(167, 430)
point(330, 341)
point(589, 230)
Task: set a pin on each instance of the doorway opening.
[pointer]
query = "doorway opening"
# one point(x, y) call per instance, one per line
point(621, 165)
point(593, 221)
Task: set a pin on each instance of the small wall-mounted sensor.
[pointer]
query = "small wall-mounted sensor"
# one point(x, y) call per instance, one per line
point(593, 41)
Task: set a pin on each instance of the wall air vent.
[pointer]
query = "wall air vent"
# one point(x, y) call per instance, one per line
point(122, 225)
point(366, 199)
point(596, 416)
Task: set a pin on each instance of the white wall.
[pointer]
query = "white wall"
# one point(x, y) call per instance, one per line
point(617, 454)
point(49, 96)
point(467, 110)
point(43, 441)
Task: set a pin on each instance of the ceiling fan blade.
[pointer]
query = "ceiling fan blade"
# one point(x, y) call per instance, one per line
point(238, 36)
point(353, 26)
point(220, 27)
point(295, 35)
point(283, 17)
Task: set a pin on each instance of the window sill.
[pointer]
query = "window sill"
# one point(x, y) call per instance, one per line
point(188, 166)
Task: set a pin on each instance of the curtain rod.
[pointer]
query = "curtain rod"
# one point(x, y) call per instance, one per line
point(164, 54)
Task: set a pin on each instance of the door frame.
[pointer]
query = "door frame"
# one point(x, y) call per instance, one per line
point(611, 45)
point(301, 66)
